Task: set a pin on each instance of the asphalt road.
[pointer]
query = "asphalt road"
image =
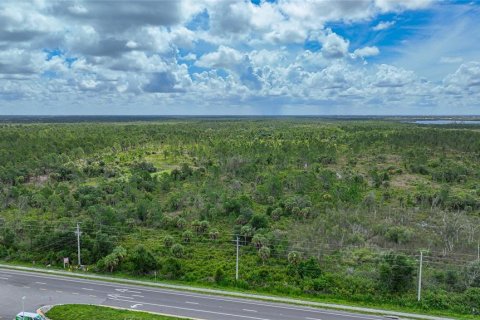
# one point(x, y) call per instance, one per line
point(43, 289)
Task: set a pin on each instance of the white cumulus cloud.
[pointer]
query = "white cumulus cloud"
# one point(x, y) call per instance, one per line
point(334, 46)
point(204, 53)
point(366, 52)
point(467, 77)
point(225, 57)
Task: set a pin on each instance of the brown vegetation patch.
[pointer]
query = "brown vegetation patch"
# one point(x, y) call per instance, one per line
point(406, 180)
point(39, 180)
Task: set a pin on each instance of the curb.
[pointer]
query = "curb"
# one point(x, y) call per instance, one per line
point(151, 312)
point(386, 313)
point(43, 311)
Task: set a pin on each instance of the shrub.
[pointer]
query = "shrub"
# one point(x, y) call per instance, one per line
point(177, 250)
point(472, 274)
point(145, 166)
point(325, 283)
point(399, 234)
point(246, 232)
point(471, 300)
point(259, 221)
point(309, 269)
point(181, 223)
point(264, 253)
point(114, 259)
point(187, 236)
point(143, 260)
point(396, 273)
point(213, 235)
point(276, 214)
point(168, 241)
point(294, 257)
point(204, 226)
point(450, 173)
point(305, 212)
point(200, 227)
point(8, 238)
point(3, 251)
point(172, 268)
point(259, 241)
point(419, 168)
point(232, 206)
point(219, 275)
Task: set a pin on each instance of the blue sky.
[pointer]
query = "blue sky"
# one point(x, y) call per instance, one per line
point(225, 57)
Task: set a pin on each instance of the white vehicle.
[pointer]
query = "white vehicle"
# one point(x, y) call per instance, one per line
point(29, 316)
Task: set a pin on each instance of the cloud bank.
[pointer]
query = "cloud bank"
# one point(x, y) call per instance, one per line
point(218, 57)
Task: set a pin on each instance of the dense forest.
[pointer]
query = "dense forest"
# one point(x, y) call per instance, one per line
point(321, 208)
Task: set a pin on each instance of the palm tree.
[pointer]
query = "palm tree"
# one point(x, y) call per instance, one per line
point(294, 257)
point(264, 254)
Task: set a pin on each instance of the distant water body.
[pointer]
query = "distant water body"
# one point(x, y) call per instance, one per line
point(473, 122)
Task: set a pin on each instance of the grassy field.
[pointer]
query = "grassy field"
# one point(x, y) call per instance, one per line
point(87, 312)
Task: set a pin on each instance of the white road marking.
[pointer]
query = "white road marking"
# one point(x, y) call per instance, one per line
point(116, 296)
point(127, 290)
point(136, 306)
point(249, 310)
point(87, 289)
point(200, 296)
point(43, 289)
point(190, 302)
point(312, 318)
point(91, 295)
point(41, 283)
point(4, 278)
point(58, 291)
point(196, 310)
point(137, 295)
point(74, 292)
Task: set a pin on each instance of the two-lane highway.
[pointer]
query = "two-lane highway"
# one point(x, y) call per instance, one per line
point(43, 289)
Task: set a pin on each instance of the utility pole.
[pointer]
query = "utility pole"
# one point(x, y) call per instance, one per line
point(78, 233)
point(236, 266)
point(478, 250)
point(420, 277)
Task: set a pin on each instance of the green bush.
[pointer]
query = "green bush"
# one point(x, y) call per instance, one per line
point(168, 241)
point(177, 250)
point(172, 268)
point(264, 254)
point(143, 260)
point(399, 234)
point(396, 273)
point(187, 236)
point(219, 275)
point(309, 268)
point(259, 221)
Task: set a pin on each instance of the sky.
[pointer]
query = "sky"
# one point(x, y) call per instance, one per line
point(236, 57)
